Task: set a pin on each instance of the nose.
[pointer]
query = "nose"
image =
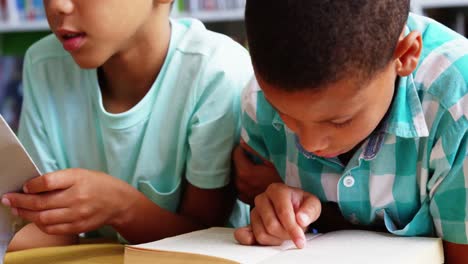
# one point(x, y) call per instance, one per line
point(313, 140)
point(62, 7)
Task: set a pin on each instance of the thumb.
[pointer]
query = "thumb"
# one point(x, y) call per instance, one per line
point(309, 210)
point(245, 236)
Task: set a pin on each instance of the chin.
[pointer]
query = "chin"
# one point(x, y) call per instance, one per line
point(88, 62)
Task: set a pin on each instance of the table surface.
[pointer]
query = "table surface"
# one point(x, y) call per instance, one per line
point(82, 254)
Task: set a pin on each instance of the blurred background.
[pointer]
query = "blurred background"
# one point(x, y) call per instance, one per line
point(22, 22)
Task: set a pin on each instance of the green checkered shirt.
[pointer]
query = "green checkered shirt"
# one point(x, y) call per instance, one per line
point(411, 174)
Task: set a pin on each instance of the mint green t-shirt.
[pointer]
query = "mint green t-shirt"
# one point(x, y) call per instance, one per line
point(184, 128)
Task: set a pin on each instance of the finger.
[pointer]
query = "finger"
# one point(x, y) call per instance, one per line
point(50, 182)
point(269, 219)
point(261, 236)
point(35, 202)
point(245, 236)
point(309, 211)
point(285, 212)
point(49, 217)
point(63, 229)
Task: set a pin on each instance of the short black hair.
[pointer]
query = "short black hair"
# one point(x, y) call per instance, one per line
point(299, 44)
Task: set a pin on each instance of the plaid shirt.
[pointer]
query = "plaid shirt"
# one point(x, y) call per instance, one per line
point(411, 174)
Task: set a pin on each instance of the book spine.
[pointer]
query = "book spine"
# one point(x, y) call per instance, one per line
point(193, 6)
point(180, 6)
point(13, 14)
point(2, 11)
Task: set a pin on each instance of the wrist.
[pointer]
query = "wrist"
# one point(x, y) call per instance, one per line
point(126, 206)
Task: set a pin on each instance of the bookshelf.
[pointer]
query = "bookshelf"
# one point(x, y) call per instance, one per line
point(419, 6)
point(224, 16)
point(452, 13)
point(28, 26)
point(214, 16)
point(23, 17)
point(205, 16)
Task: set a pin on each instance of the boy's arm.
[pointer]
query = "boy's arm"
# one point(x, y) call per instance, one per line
point(76, 200)
point(146, 221)
point(31, 236)
point(253, 174)
point(455, 253)
point(254, 171)
point(448, 192)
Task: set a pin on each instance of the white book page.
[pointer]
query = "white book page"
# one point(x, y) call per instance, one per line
point(16, 168)
point(217, 242)
point(362, 247)
point(16, 165)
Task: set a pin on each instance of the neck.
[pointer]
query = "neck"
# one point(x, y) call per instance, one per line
point(346, 157)
point(129, 74)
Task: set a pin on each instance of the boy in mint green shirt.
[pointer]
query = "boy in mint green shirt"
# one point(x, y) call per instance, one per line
point(362, 111)
point(131, 117)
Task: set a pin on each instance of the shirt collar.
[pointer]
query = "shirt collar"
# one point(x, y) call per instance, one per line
point(277, 121)
point(406, 116)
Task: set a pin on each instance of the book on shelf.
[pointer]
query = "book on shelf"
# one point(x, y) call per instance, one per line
point(3, 13)
point(17, 11)
point(193, 6)
point(217, 245)
point(10, 89)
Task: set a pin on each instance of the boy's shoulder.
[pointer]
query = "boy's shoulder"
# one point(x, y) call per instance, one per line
point(442, 68)
point(255, 106)
point(211, 55)
point(48, 47)
point(195, 38)
point(437, 38)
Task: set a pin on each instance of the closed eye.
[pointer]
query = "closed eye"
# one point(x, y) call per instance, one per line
point(342, 124)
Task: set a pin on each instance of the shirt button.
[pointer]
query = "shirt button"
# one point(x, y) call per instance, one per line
point(348, 181)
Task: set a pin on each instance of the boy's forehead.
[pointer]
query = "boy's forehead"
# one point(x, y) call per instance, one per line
point(343, 91)
point(322, 105)
point(334, 101)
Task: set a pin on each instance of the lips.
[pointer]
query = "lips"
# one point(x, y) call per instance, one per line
point(71, 40)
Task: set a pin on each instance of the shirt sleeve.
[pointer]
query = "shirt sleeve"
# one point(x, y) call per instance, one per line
point(214, 128)
point(31, 131)
point(448, 186)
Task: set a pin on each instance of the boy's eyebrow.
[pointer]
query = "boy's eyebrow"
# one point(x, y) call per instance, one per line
point(326, 120)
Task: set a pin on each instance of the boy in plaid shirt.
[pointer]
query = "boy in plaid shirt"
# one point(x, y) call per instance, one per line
point(360, 106)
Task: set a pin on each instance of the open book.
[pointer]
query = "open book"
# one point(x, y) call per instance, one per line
point(217, 245)
point(16, 167)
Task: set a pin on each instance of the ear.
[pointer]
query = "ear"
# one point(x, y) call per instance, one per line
point(407, 53)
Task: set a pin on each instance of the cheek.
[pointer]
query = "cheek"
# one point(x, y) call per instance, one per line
point(364, 128)
point(352, 135)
